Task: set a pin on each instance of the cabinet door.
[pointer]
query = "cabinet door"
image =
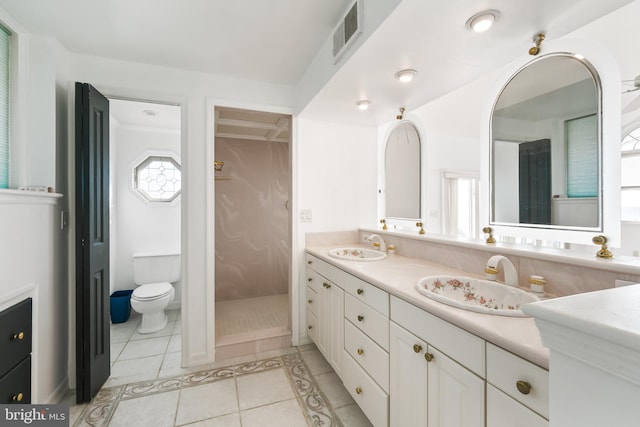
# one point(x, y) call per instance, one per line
point(334, 326)
point(456, 395)
point(407, 379)
point(503, 411)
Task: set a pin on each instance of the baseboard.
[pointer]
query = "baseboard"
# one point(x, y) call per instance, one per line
point(59, 393)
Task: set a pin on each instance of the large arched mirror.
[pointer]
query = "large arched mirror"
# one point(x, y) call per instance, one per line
point(546, 146)
point(551, 157)
point(402, 172)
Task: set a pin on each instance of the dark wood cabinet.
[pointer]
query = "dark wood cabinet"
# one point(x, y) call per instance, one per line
point(15, 353)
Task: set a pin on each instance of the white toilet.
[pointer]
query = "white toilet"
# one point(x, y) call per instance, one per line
point(153, 274)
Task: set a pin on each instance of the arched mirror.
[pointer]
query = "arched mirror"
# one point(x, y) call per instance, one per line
point(402, 172)
point(546, 147)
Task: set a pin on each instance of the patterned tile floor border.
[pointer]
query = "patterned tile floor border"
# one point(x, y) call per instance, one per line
point(317, 409)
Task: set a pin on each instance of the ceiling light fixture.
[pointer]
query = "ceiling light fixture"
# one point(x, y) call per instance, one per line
point(405, 76)
point(363, 104)
point(482, 21)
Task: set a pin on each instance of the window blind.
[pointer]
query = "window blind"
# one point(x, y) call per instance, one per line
point(582, 156)
point(4, 107)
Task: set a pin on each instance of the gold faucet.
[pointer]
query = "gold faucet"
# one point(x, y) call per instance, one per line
point(604, 252)
point(419, 224)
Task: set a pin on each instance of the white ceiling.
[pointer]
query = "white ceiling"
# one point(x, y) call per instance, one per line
point(275, 40)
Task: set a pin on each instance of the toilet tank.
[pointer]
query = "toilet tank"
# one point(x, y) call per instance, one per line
point(153, 267)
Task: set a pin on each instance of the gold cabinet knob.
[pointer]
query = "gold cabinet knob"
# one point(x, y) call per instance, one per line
point(360, 291)
point(309, 262)
point(417, 348)
point(310, 279)
point(523, 387)
point(310, 327)
point(358, 390)
point(428, 356)
point(17, 398)
point(360, 351)
point(326, 285)
point(19, 336)
point(360, 318)
point(310, 301)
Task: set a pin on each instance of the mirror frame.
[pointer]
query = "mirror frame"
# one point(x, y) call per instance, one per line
point(403, 223)
point(608, 75)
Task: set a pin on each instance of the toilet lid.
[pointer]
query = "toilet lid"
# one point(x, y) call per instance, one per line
point(152, 290)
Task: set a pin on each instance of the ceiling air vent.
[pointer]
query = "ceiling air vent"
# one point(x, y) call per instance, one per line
point(348, 29)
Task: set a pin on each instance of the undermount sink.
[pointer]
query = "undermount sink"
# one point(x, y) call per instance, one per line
point(357, 254)
point(482, 296)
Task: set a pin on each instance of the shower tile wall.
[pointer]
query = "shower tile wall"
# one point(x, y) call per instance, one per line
point(251, 219)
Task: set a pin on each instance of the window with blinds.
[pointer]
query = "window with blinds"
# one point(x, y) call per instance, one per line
point(5, 38)
point(582, 156)
point(630, 178)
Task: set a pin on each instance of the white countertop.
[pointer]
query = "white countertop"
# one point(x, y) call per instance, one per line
point(398, 276)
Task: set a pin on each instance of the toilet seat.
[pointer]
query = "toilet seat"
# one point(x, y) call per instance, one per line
point(152, 291)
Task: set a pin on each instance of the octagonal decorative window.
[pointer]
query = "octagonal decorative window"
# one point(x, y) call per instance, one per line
point(158, 179)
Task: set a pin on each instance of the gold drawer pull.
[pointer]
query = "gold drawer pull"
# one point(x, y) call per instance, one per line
point(17, 398)
point(417, 348)
point(523, 387)
point(358, 390)
point(310, 301)
point(428, 356)
point(360, 351)
point(310, 279)
point(309, 262)
point(326, 285)
point(360, 291)
point(19, 336)
point(360, 318)
point(310, 327)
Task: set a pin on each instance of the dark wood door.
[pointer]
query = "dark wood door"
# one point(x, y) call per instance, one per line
point(92, 242)
point(535, 182)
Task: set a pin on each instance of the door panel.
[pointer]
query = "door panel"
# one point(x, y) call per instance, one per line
point(93, 358)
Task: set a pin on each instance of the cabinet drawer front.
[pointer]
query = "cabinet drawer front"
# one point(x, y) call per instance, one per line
point(503, 411)
point(369, 355)
point(373, 401)
point(505, 369)
point(312, 326)
point(465, 348)
point(368, 320)
point(314, 280)
point(313, 302)
point(15, 385)
point(15, 335)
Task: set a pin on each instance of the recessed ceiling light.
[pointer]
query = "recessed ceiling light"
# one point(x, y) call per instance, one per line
point(405, 76)
point(482, 21)
point(363, 104)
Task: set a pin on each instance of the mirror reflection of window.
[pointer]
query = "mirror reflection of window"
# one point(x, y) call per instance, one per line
point(630, 179)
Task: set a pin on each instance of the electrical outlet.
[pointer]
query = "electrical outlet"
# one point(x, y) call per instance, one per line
point(619, 283)
point(306, 215)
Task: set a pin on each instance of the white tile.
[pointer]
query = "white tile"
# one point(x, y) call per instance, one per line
point(143, 348)
point(172, 366)
point(167, 330)
point(352, 416)
point(331, 385)
point(263, 388)
point(116, 349)
point(274, 353)
point(207, 401)
point(177, 329)
point(316, 362)
point(121, 332)
point(128, 371)
point(231, 420)
point(175, 344)
point(172, 315)
point(287, 413)
point(157, 410)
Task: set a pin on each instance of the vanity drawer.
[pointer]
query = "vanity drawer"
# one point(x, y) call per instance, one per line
point(503, 410)
point(505, 370)
point(368, 320)
point(369, 355)
point(465, 348)
point(314, 280)
point(312, 300)
point(15, 385)
point(373, 401)
point(15, 335)
point(312, 326)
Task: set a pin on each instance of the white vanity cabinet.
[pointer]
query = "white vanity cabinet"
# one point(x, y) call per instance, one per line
point(427, 387)
point(325, 313)
point(517, 391)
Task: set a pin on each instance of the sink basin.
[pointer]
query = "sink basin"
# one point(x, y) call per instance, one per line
point(357, 254)
point(482, 296)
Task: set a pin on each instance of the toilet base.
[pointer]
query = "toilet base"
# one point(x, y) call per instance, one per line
point(152, 322)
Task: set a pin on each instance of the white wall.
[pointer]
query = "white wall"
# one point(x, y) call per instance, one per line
point(141, 226)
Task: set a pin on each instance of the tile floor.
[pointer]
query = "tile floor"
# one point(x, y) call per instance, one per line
point(290, 387)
